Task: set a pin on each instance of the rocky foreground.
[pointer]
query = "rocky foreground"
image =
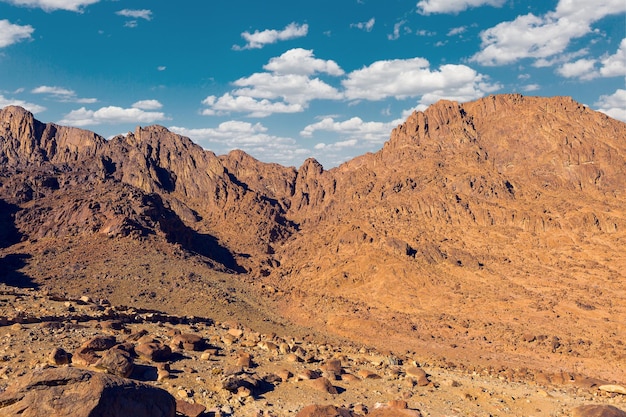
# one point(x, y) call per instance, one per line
point(63, 356)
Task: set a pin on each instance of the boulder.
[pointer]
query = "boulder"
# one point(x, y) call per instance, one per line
point(156, 352)
point(117, 362)
point(82, 393)
point(597, 411)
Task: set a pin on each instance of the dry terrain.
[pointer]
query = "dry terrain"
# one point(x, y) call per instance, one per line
point(483, 244)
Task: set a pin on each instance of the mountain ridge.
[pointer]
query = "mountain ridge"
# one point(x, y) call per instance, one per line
point(510, 204)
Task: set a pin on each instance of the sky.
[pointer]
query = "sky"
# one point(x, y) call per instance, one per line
point(285, 80)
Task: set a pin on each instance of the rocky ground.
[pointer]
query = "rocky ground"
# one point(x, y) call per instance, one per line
point(222, 368)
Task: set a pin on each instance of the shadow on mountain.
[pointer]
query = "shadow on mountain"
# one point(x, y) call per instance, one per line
point(9, 235)
point(203, 244)
point(10, 274)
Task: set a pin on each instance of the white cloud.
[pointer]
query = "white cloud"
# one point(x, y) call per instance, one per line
point(453, 6)
point(615, 65)
point(413, 78)
point(457, 31)
point(354, 129)
point(252, 138)
point(227, 104)
point(50, 5)
point(350, 143)
point(147, 105)
point(587, 69)
point(366, 26)
point(582, 68)
point(136, 14)
point(292, 88)
point(287, 89)
point(161, 68)
point(531, 87)
point(301, 61)
point(110, 115)
point(258, 39)
point(613, 105)
point(541, 37)
point(11, 33)
point(31, 107)
point(396, 30)
point(63, 95)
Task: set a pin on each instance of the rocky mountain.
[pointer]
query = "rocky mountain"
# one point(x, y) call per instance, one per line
point(487, 232)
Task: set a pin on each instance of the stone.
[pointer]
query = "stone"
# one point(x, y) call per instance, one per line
point(100, 343)
point(84, 357)
point(394, 412)
point(188, 341)
point(284, 374)
point(188, 409)
point(116, 362)
point(324, 411)
point(244, 359)
point(156, 352)
point(597, 411)
point(58, 356)
point(82, 393)
point(332, 365)
point(617, 389)
point(365, 374)
point(324, 385)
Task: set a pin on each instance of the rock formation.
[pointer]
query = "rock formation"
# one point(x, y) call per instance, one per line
point(481, 231)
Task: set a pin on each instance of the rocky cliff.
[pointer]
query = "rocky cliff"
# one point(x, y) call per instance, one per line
point(482, 221)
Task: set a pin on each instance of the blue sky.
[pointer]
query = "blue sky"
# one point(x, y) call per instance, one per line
point(287, 80)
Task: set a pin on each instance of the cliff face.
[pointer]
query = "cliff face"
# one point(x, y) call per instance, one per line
point(505, 203)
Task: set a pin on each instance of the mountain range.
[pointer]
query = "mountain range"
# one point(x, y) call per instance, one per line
point(490, 232)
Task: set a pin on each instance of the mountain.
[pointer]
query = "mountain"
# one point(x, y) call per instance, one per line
point(482, 233)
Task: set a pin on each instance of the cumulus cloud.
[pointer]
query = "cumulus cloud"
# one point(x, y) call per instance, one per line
point(302, 61)
point(453, 6)
point(252, 138)
point(405, 78)
point(62, 94)
point(11, 33)
point(136, 14)
point(615, 65)
point(51, 5)
point(227, 104)
point(31, 107)
point(354, 129)
point(259, 39)
point(587, 69)
point(147, 105)
point(366, 26)
point(613, 105)
point(541, 37)
point(288, 88)
point(110, 115)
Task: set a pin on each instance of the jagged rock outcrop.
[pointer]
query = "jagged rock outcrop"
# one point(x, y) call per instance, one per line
point(466, 202)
